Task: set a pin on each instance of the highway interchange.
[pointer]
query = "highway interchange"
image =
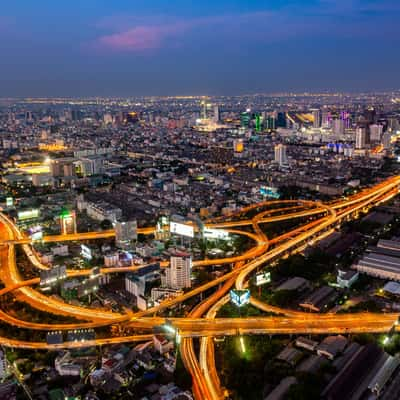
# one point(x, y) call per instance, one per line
point(201, 321)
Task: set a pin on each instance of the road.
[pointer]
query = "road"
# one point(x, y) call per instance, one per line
point(205, 379)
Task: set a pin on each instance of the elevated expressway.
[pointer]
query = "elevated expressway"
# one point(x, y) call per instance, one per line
point(325, 217)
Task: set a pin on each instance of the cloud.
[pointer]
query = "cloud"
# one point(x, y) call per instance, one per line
point(329, 18)
point(140, 38)
point(135, 34)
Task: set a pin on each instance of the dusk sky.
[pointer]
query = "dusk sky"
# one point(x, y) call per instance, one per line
point(181, 47)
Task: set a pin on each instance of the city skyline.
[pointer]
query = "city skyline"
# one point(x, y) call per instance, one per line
point(135, 49)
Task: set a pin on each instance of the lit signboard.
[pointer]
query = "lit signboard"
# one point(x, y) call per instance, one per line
point(181, 229)
point(9, 201)
point(263, 278)
point(215, 234)
point(86, 252)
point(28, 214)
point(240, 297)
point(271, 192)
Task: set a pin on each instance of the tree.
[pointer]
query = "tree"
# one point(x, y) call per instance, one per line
point(106, 224)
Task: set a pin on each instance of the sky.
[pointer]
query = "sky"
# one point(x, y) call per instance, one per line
point(125, 48)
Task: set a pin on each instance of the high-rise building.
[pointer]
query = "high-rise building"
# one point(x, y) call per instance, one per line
point(177, 276)
point(281, 120)
point(361, 138)
point(317, 118)
point(270, 123)
point(258, 123)
point(125, 234)
point(387, 140)
point(326, 119)
point(245, 118)
point(338, 127)
point(206, 109)
point(216, 116)
point(280, 154)
point(375, 132)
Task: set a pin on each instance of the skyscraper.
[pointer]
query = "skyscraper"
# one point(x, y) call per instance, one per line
point(280, 154)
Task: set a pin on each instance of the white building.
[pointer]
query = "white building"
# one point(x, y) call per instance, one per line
point(280, 154)
point(361, 138)
point(177, 276)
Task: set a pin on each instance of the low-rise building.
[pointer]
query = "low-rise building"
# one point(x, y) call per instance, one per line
point(331, 346)
point(319, 300)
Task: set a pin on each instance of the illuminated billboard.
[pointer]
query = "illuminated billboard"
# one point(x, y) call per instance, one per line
point(181, 229)
point(28, 214)
point(270, 192)
point(240, 297)
point(9, 201)
point(263, 278)
point(215, 234)
point(86, 252)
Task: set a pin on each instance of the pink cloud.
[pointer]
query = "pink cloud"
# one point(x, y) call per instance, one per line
point(141, 38)
point(132, 34)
